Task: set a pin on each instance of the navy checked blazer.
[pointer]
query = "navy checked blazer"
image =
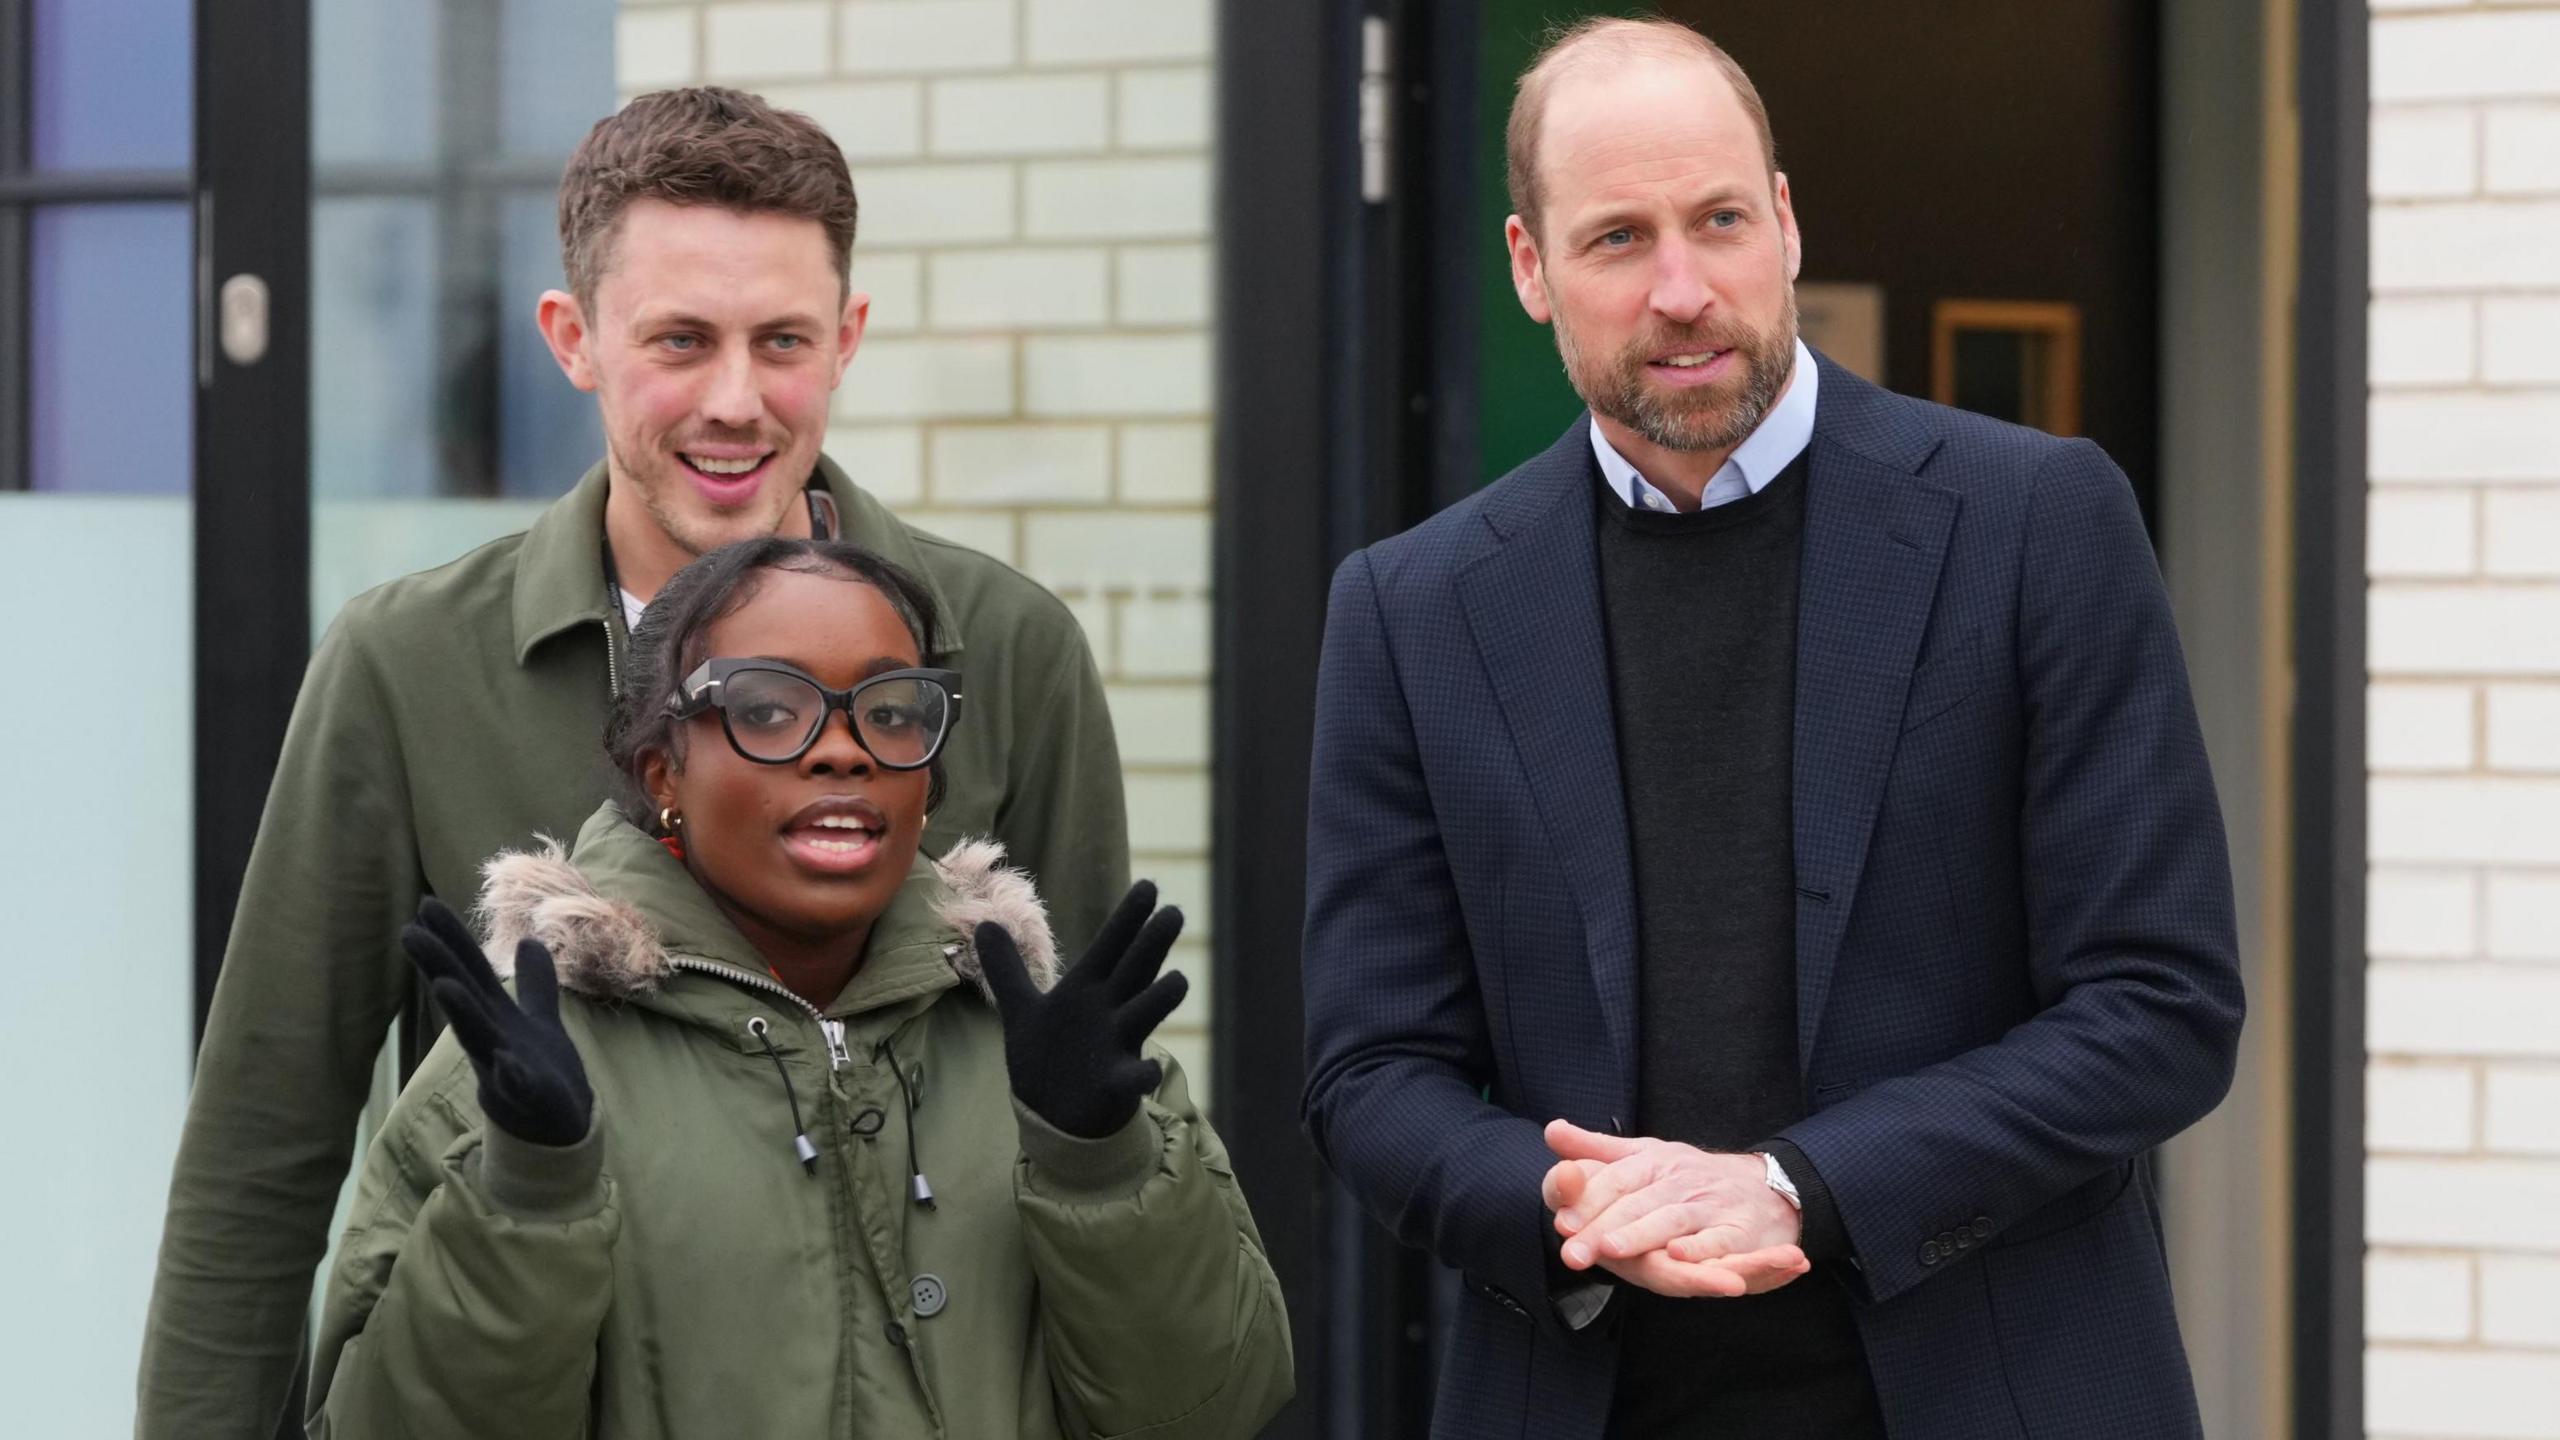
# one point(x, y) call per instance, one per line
point(2016, 969)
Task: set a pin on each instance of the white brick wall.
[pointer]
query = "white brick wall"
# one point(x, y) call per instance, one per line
point(2418, 1297)
point(755, 40)
point(2438, 1392)
point(2515, 1300)
point(2520, 339)
point(894, 37)
point(870, 119)
point(2422, 341)
point(1021, 114)
point(1021, 289)
point(2524, 916)
point(2463, 641)
point(1035, 183)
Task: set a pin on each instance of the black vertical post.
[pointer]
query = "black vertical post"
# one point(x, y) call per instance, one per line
point(253, 446)
point(2328, 728)
point(1277, 82)
point(1345, 389)
point(252, 435)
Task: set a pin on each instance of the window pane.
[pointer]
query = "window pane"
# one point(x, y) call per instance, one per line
point(373, 84)
point(98, 598)
point(555, 73)
point(111, 379)
point(548, 430)
point(373, 348)
point(438, 418)
point(114, 84)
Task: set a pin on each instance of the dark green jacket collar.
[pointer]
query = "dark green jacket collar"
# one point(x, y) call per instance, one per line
point(560, 568)
point(653, 912)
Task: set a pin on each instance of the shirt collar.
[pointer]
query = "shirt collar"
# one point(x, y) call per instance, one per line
point(560, 571)
point(1782, 435)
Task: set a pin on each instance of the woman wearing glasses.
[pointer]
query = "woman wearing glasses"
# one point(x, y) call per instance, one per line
point(785, 1129)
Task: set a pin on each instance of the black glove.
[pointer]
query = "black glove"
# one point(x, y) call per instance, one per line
point(531, 1083)
point(1074, 1053)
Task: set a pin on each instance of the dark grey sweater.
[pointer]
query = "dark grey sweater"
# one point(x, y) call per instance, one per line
point(1701, 612)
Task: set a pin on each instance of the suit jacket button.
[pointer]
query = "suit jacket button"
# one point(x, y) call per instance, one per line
point(1929, 1252)
point(1981, 1227)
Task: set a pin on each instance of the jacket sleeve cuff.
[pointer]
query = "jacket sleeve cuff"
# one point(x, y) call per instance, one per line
point(544, 1182)
point(1826, 1239)
point(1073, 1168)
point(1580, 1297)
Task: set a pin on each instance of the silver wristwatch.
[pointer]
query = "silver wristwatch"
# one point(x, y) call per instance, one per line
point(1779, 1182)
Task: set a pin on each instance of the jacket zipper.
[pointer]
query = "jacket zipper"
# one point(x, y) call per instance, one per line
point(612, 667)
point(837, 1056)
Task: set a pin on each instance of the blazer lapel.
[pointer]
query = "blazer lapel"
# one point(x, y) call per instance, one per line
point(1533, 602)
point(1875, 537)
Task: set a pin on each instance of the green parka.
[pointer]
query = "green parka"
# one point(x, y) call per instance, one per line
point(682, 1273)
point(453, 714)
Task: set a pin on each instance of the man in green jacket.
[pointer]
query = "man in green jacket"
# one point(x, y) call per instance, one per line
point(707, 239)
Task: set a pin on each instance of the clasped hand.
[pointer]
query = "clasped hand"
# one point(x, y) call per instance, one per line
point(1671, 1218)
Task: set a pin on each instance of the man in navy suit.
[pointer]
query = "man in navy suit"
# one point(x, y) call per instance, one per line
point(1766, 897)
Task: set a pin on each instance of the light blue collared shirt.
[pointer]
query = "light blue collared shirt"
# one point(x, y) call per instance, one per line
point(1783, 435)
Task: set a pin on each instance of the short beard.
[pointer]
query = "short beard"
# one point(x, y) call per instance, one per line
point(1707, 418)
point(688, 531)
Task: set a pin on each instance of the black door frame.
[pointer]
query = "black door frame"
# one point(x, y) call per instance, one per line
point(2328, 899)
point(1269, 548)
point(252, 192)
point(1345, 398)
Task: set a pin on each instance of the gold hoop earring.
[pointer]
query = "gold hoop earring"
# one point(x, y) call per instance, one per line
point(668, 820)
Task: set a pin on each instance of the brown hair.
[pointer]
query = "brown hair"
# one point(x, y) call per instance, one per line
point(1608, 37)
point(699, 146)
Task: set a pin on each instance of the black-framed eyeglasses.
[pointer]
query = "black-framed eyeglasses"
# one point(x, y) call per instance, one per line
point(772, 712)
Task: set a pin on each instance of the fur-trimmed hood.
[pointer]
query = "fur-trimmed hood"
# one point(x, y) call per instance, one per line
point(609, 948)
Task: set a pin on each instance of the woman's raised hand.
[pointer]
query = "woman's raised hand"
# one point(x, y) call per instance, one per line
point(532, 1084)
point(1076, 1053)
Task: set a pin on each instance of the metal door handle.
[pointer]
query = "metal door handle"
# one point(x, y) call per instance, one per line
point(243, 309)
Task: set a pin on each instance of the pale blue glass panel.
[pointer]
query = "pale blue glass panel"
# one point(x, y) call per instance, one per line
point(114, 84)
point(549, 431)
point(357, 544)
point(555, 73)
point(373, 83)
point(96, 882)
point(373, 348)
point(111, 380)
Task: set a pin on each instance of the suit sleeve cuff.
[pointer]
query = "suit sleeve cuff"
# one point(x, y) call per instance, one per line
point(1826, 1239)
point(1580, 1297)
